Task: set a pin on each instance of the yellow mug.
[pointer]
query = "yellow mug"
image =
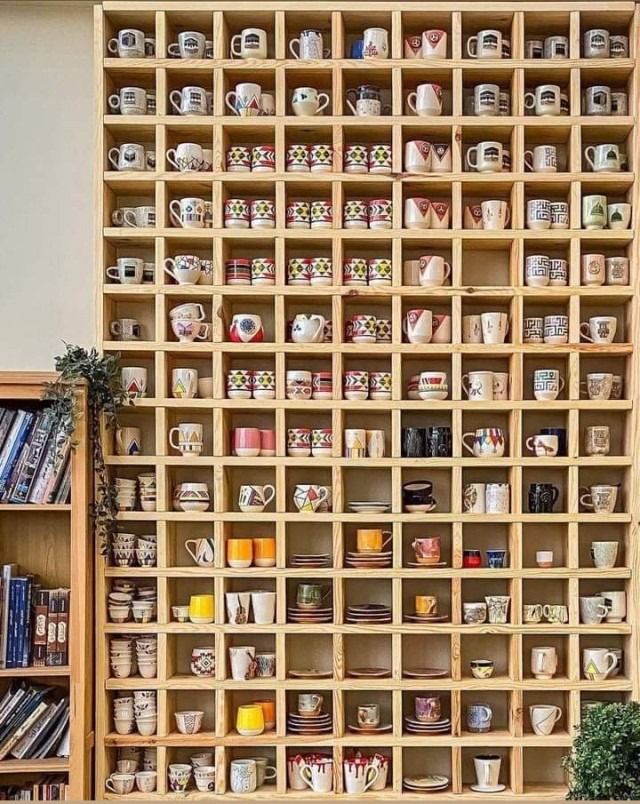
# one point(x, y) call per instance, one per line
point(239, 553)
point(372, 540)
point(426, 604)
point(264, 551)
point(201, 609)
point(250, 720)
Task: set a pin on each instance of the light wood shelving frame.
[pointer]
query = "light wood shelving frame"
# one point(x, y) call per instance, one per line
point(531, 763)
point(52, 541)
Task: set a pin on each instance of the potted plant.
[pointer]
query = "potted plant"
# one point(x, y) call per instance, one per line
point(605, 758)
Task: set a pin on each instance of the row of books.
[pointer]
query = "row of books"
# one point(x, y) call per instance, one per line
point(49, 788)
point(34, 622)
point(34, 458)
point(34, 722)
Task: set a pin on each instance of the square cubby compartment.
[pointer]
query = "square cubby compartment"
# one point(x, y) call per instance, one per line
point(309, 265)
point(120, 156)
point(589, 699)
point(197, 133)
point(546, 150)
point(417, 42)
point(425, 434)
point(426, 712)
point(616, 267)
point(543, 593)
point(441, 271)
point(237, 481)
point(367, 656)
point(541, 97)
point(309, 92)
point(478, 254)
point(249, 104)
point(426, 319)
point(544, 434)
point(550, 539)
point(545, 264)
point(177, 23)
point(124, 248)
point(546, 712)
point(545, 656)
point(477, 213)
point(488, 154)
point(360, 592)
point(298, 21)
point(542, 770)
point(604, 490)
point(242, 208)
point(426, 600)
point(426, 206)
point(489, 93)
point(367, 93)
point(180, 591)
point(143, 608)
point(487, 656)
point(308, 321)
point(427, 760)
point(497, 593)
point(181, 100)
point(426, 92)
point(267, 760)
point(180, 648)
point(258, 554)
point(192, 504)
point(437, 153)
point(354, 23)
point(305, 702)
point(310, 541)
point(138, 501)
point(144, 21)
point(189, 321)
point(603, 550)
point(185, 544)
point(302, 200)
point(250, 600)
point(613, 592)
point(539, 27)
point(301, 424)
point(259, 643)
point(235, 21)
point(175, 269)
point(309, 656)
point(487, 321)
point(611, 157)
point(321, 368)
point(137, 202)
point(486, 711)
point(360, 331)
point(546, 378)
point(300, 142)
point(135, 434)
point(486, 435)
point(115, 96)
point(361, 210)
point(595, 665)
point(298, 590)
point(483, 764)
point(235, 698)
point(604, 433)
point(494, 542)
point(180, 385)
point(488, 379)
point(549, 319)
point(437, 369)
point(544, 490)
point(604, 322)
point(421, 540)
point(248, 321)
point(495, 46)
point(368, 712)
point(426, 490)
point(253, 249)
point(182, 440)
point(244, 445)
point(594, 377)
point(367, 485)
point(366, 435)
point(359, 145)
point(426, 656)
point(300, 498)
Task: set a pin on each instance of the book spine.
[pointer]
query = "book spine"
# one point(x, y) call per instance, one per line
point(26, 631)
point(62, 641)
point(7, 571)
point(15, 449)
point(38, 446)
point(41, 618)
point(52, 626)
point(5, 426)
point(56, 451)
point(22, 729)
point(13, 592)
point(20, 620)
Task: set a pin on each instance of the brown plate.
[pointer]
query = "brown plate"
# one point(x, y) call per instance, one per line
point(377, 730)
point(369, 672)
point(310, 673)
point(418, 618)
point(425, 672)
point(426, 566)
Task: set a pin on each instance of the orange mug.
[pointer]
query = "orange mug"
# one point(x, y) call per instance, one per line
point(269, 712)
point(372, 540)
point(264, 551)
point(239, 553)
point(426, 604)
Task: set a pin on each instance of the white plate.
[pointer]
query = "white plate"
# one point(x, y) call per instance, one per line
point(498, 788)
point(426, 782)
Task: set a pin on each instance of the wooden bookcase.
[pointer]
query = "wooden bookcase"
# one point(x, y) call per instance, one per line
point(487, 273)
point(52, 541)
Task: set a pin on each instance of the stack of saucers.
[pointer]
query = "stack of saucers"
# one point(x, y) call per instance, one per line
point(368, 613)
point(433, 783)
point(368, 560)
point(422, 727)
point(125, 493)
point(323, 614)
point(310, 560)
point(147, 656)
point(309, 724)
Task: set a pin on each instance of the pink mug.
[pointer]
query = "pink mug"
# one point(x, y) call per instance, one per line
point(267, 443)
point(246, 442)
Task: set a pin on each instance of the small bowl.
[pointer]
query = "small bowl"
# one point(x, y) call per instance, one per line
point(481, 668)
point(190, 721)
point(181, 613)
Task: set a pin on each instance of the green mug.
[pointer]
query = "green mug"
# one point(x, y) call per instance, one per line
point(310, 595)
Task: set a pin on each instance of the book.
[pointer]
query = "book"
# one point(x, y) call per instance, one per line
point(8, 570)
point(61, 652)
point(11, 450)
point(52, 627)
point(5, 425)
point(40, 620)
point(38, 444)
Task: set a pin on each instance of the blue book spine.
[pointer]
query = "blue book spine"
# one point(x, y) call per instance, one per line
point(11, 624)
point(22, 433)
point(24, 620)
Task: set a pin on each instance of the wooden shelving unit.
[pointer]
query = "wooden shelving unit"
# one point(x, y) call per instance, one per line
point(52, 541)
point(487, 274)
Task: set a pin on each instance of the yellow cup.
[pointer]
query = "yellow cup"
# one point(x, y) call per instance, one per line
point(372, 540)
point(426, 604)
point(250, 720)
point(201, 609)
point(264, 551)
point(239, 553)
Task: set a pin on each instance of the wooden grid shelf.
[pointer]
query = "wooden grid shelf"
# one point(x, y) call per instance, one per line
point(487, 273)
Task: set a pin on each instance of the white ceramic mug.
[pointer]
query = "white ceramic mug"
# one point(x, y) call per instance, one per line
point(375, 43)
point(186, 157)
point(426, 101)
point(486, 45)
point(187, 213)
point(486, 157)
point(495, 214)
point(250, 43)
point(190, 100)
point(307, 101)
point(245, 100)
point(190, 45)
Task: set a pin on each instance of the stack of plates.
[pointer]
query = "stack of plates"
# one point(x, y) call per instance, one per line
point(365, 507)
point(311, 560)
point(418, 727)
point(312, 724)
point(368, 560)
point(426, 618)
point(368, 613)
point(426, 566)
point(381, 729)
point(321, 615)
point(426, 784)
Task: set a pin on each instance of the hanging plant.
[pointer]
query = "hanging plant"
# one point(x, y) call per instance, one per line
point(105, 396)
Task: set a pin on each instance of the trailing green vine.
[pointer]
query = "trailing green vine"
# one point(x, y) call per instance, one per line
point(105, 396)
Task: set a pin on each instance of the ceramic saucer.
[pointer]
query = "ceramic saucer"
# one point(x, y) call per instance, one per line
point(496, 788)
point(428, 782)
point(369, 507)
point(377, 730)
point(430, 618)
point(426, 566)
point(369, 672)
point(310, 673)
point(428, 724)
point(425, 672)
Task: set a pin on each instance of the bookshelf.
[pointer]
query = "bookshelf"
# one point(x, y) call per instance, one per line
point(52, 542)
point(487, 273)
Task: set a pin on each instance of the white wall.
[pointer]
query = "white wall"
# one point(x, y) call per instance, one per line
point(46, 172)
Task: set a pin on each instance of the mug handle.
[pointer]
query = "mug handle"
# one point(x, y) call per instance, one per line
point(464, 443)
point(507, 221)
point(234, 41)
point(447, 272)
point(271, 772)
point(110, 157)
point(546, 610)
point(529, 165)
point(556, 493)
point(603, 610)
point(324, 494)
point(561, 385)
point(529, 100)
point(465, 384)
point(113, 102)
point(472, 47)
point(321, 322)
point(487, 711)
point(113, 787)
point(291, 48)
point(529, 444)
point(389, 540)
point(172, 95)
point(130, 221)
point(170, 267)
point(586, 500)
point(611, 667)
point(119, 440)
point(559, 711)
point(373, 772)
point(202, 336)
point(115, 328)
point(473, 150)
point(348, 100)
point(272, 494)
point(171, 158)
point(587, 151)
point(115, 273)
point(175, 216)
point(171, 432)
point(585, 331)
point(173, 49)
point(412, 97)
point(188, 549)
point(227, 97)
point(323, 105)
point(303, 770)
point(112, 46)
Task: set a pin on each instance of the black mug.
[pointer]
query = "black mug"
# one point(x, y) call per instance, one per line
point(417, 495)
point(542, 498)
point(562, 437)
point(413, 442)
point(438, 442)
